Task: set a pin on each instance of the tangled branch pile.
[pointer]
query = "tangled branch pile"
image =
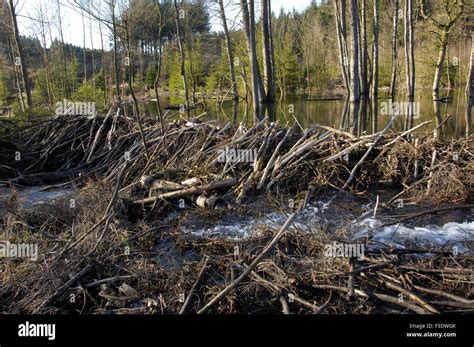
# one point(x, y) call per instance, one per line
point(282, 158)
point(101, 257)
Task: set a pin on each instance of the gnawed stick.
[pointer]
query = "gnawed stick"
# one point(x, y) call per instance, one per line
point(189, 191)
point(393, 300)
point(412, 296)
point(441, 293)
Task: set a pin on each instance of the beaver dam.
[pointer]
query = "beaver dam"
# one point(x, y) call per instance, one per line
point(190, 217)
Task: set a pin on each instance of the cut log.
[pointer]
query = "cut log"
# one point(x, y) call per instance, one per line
point(182, 193)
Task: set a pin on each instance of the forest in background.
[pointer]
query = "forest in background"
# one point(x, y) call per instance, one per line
point(142, 47)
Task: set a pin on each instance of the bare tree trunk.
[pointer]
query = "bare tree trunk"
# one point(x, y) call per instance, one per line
point(409, 49)
point(269, 75)
point(443, 32)
point(44, 50)
point(136, 111)
point(116, 69)
point(375, 51)
point(104, 75)
point(364, 84)
point(341, 42)
point(84, 53)
point(409, 61)
point(92, 50)
point(258, 93)
point(470, 76)
point(67, 87)
point(182, 56)
point(230, 53)
point(21, 55)
point(354, 90)
point(470, 89)
point(412, 55)
point(18, 84)
point(393, 81)
point(443, 44)
point(158, 65)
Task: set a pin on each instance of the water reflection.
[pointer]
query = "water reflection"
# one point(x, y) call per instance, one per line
point(365, 117)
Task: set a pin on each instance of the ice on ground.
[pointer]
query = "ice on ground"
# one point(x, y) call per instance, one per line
point(237, 228)
point(32, 196)
point(456, 237)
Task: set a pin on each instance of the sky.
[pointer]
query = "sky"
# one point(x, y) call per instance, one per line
point(73, 26)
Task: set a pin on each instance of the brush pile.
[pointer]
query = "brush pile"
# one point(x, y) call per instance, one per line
point(209, 157)
point(117, 251)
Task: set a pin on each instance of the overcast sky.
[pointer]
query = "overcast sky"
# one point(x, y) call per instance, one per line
point(72, 19)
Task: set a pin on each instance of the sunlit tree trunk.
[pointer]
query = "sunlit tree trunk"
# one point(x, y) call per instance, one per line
point(268, 68)
point(341, 40)
point(364, 84)
point(159, 61)
point(230, 53)
point(66, 85)
point(354, 90)
point(409, 60)
point(21, 55)
point(393, 81)
point(470, 76)
point(182, 55)
point(258, 92)
point(375, 51)
point(470, 89)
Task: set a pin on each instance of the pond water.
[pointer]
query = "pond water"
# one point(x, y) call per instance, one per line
point(370, 117)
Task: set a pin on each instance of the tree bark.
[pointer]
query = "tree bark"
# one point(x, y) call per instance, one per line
point(470, 90)
point(354, 90)
point(410, 61)
point(66, 86)
point(364, 84)
point(116, 69)
point(258, 92)
point(21, 55)
point(269, 75)
point(407, 41)
point(182, 56)
point(470, 76)
point(393, 81)
point(230, 53)
point(375, 51)
point(440, 63)
point(341, 41)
